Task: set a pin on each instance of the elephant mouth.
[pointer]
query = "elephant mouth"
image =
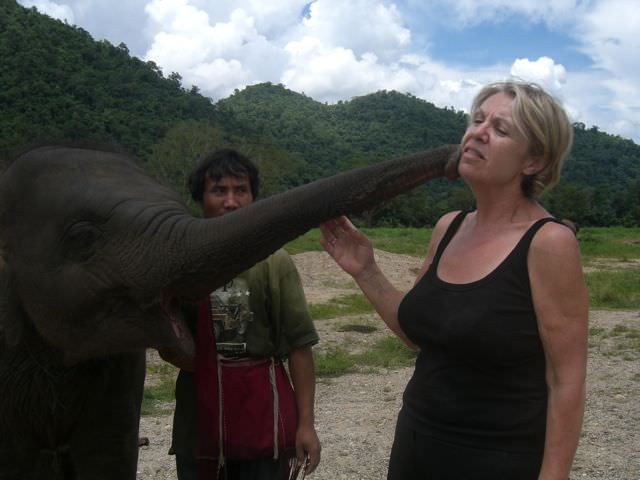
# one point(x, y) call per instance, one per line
point(181, 336)
point(174, 315)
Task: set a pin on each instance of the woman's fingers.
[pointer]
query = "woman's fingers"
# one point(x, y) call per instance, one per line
point(333, 230)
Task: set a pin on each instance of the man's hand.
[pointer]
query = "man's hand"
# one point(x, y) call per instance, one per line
point(307, 448)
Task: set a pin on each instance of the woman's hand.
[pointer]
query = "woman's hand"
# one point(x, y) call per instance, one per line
point(351, 250)
point(354, 253)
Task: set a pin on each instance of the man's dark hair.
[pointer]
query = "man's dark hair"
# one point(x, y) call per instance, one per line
point(217, 164)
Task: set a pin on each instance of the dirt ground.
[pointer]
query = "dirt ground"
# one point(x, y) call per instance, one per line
point(356, 413)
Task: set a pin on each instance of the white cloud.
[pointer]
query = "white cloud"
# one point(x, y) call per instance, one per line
point(117, 21)
point(216, 56)
point(608, 33)
point(359, 25)
point(54, 10)
point(543, 71)
point(329, 53)
point(272, 17)
point(447, 86)
point(333, 73)
point(344, 49)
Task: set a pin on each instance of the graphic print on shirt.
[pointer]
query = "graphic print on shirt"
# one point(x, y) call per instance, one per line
point(231, 314)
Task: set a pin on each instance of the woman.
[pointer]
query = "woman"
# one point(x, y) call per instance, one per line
point(498, 311)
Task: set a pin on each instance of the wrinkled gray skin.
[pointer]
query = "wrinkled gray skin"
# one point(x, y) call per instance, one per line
point(94, 256)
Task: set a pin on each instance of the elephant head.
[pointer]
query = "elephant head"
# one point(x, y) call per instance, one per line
point(95, 255)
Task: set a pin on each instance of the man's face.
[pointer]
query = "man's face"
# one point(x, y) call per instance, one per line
point(225, 195)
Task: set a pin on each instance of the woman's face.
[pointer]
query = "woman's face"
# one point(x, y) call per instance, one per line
point(494, 152)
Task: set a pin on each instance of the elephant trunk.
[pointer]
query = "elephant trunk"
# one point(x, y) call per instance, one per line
point(218, 249)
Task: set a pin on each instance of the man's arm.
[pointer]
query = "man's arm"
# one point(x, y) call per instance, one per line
point(304, 383)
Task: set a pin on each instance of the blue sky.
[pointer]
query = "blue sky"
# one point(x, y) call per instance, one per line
point(502, 43)
point(584, 51)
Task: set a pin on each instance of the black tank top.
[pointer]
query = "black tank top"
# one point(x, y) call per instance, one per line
point(480, 376)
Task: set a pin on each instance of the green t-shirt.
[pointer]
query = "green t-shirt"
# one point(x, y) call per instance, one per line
point(261, 313)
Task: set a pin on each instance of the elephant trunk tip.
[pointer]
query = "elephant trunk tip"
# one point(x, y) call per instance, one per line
point(451, 166)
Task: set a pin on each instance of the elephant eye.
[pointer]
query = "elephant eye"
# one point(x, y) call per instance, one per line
point(79, 242)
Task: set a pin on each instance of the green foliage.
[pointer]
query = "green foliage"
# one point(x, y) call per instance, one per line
point(614, 289)
point(601, 179)
point(58, 84)
point(173, 158)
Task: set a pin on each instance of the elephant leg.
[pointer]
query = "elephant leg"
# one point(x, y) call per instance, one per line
point(13, 467)
point(105, 443)
point(35, 464)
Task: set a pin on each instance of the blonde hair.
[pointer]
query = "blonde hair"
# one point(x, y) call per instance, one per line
point(543, 122)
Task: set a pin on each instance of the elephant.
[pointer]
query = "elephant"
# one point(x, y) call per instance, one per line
point(95, 259)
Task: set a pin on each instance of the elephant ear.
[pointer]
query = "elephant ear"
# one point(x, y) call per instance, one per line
point(11, 315)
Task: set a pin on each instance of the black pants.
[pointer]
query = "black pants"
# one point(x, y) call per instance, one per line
point(420, 457)
point(265, 469)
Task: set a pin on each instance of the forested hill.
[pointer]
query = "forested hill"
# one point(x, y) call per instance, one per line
point(57, 83)
point(601, 178)
point(347, 134)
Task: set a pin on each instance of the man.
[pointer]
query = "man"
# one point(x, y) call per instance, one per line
point(261, 314)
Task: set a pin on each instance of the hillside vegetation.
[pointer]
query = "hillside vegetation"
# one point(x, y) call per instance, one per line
point(58, 84)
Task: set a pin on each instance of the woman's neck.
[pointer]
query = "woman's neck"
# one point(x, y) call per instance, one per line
point(495, 210)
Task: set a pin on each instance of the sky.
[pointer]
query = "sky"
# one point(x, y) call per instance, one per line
point(585, 52)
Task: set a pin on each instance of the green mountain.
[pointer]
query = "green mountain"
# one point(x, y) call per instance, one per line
point(334, 137)
point(601, 178)
point(58, 84)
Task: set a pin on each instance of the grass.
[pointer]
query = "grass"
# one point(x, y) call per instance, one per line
point(595, 242)
point(388, 352)
point(353, 304)
point(407, 241)
point(610, 242)
point(161, 368)
point(616, 289)
point(158, 399)
point(309, 242)
point(333, 363)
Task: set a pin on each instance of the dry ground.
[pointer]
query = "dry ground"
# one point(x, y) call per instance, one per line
point(355, 413)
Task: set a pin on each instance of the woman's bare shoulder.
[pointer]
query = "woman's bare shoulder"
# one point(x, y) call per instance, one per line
point(553, 237)
point(554, 251)
point(439, 230)
point(444, 221)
